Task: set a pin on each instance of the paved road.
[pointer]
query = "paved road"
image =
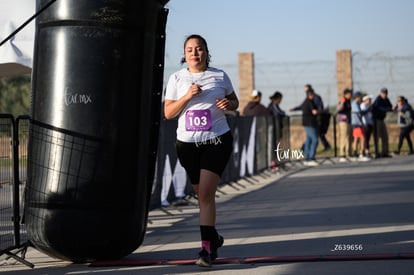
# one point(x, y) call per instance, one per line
point(351, 218)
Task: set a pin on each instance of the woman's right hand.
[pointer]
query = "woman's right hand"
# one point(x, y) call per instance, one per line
point(172, 108)
point(193, 90)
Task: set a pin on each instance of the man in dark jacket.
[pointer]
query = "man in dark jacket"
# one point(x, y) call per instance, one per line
point(254, 107)
point(381, 106)
point(322, 118)
point(309, 122)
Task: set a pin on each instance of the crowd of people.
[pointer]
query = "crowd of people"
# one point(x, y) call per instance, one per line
point(360, 119)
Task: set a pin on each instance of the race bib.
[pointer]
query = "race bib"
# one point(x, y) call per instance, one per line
point(198, 120)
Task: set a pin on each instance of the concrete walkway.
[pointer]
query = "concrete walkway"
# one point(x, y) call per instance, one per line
point(336, 218)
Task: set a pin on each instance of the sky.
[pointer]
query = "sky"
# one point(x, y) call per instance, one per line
point(289, 31)
point(294, 41)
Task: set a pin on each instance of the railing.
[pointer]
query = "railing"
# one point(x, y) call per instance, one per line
point(13, 163)
point(254, 145)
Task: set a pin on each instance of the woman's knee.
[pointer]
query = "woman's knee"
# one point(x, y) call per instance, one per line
point(206, 195)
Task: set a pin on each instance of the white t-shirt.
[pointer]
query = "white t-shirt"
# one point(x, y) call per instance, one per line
point(200, 120)
point(367, 118)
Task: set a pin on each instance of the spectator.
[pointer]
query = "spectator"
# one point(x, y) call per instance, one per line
point(254, 107)
point(278, 115)
point(367, 121)
point(405, 122)
point(357, 127)
point(277, 112)
point(344, 117)
point(309, 122)
point(381, 106)
point(322, 117)
point(274, 107)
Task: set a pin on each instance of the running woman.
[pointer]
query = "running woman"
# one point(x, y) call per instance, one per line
point(198, 95)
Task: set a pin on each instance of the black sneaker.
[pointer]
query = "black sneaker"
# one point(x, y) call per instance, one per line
point(214, 246)
point(204, 259)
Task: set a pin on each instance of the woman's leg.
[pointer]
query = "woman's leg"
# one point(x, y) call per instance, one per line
point(210, 240)
point(405, 133)
point(214, 158)
point(362, 146)
point(207, 197)
point(368, 132)
point(400, 139)
point(410, 144)
point(355, 145)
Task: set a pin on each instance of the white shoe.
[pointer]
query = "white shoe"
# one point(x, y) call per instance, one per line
point(342, 159)
point(363, 158)
point(165, 203)
point(311, 163)
point(353, 159)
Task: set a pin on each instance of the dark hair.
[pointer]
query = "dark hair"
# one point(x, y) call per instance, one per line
point(347, 91)
point(310, 92)
point(309, 87)
point(276, 95)
point(403, 99)
point(199, 37)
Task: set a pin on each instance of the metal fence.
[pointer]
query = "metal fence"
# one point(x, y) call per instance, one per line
point(7, 238)
point(255, 140)
point(22, 125)
point(13, 163)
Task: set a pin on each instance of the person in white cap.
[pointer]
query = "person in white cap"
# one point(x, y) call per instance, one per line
point(358, 127)
point(254, 107)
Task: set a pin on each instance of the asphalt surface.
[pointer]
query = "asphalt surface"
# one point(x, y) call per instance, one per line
point(336, 218)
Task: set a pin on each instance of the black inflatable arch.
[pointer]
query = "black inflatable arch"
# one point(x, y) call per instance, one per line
point(96, 93)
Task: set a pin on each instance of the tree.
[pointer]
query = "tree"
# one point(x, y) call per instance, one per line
point(15, 95)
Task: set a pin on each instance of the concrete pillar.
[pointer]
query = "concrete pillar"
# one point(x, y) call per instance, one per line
point(343, 71)
point(246, 78)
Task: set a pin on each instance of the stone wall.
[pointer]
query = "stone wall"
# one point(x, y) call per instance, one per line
point(343, 71)
point(246, 78)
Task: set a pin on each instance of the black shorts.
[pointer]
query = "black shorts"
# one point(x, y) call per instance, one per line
point(211, 155)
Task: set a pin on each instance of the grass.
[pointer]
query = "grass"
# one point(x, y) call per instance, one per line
point(321, 153)
point(8, 162)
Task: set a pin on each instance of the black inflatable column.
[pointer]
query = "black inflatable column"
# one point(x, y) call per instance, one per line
point(96, 94)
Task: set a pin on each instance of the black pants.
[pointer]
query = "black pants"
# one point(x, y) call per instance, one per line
point(367, 135)
point(405, 134)
point(211, 155)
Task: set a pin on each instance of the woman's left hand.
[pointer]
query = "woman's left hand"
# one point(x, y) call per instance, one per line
point(230, 102)
point(222, 104)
